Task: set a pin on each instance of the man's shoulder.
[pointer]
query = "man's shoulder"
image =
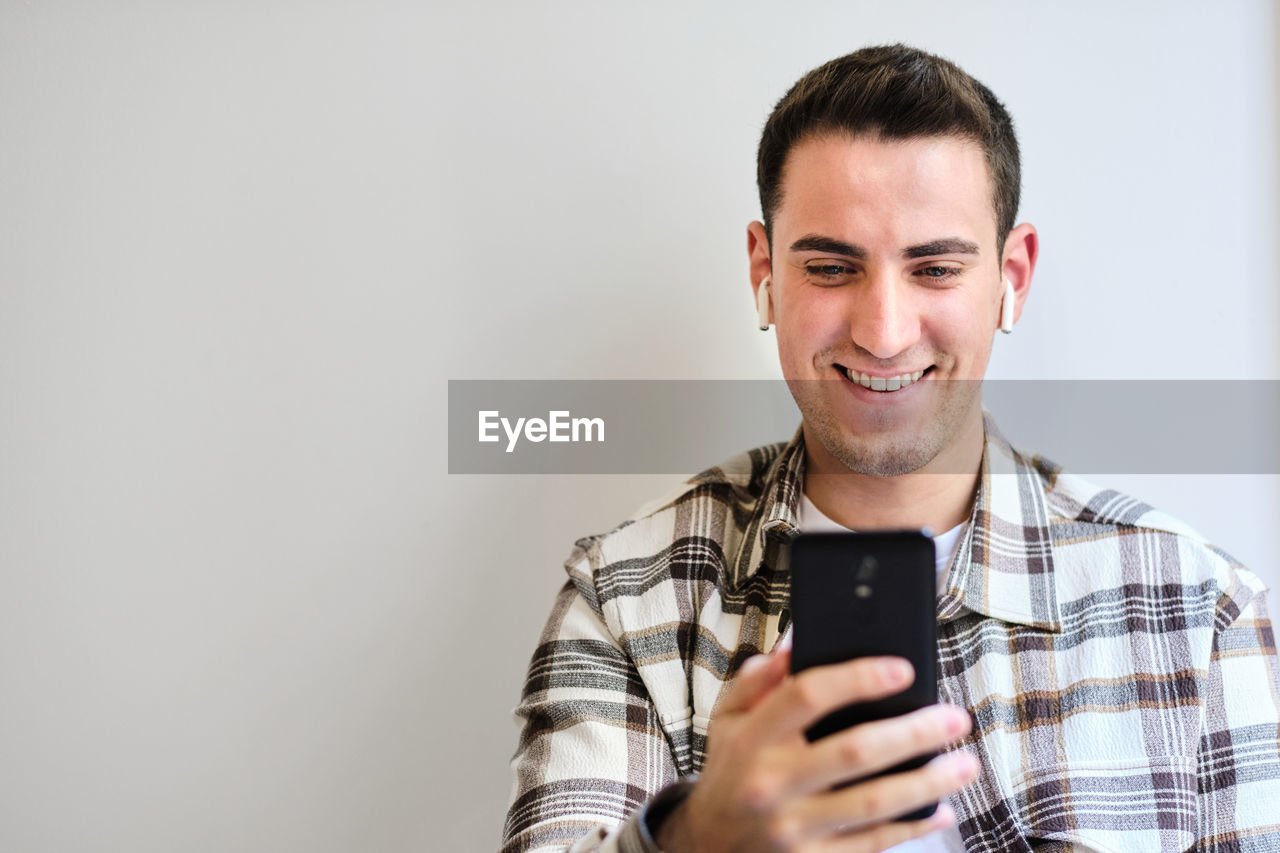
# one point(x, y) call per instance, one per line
point(1075, 498)
point(699, 520)
point(1104, 538)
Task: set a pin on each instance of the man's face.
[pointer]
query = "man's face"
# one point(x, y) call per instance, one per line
point(885, 273)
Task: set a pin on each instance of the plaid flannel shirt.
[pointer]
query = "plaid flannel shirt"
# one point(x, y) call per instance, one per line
point(1121, 671)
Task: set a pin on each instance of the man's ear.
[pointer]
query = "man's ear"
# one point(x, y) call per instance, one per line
point(1021, 248)
point(759, 260)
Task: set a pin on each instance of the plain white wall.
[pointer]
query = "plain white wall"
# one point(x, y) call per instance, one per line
point(244, 246)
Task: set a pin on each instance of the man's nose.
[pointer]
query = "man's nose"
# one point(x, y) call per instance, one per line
point(884, 319)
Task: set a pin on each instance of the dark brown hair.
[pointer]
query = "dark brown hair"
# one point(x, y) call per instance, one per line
point(895, 92)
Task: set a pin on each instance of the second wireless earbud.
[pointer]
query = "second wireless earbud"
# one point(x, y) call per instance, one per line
point(1006, 307)
point(762, 304)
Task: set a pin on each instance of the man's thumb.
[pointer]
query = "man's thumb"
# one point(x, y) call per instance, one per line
point(755, 679)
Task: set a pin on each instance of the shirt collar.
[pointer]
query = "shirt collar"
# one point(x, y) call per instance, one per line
point(1003, 568)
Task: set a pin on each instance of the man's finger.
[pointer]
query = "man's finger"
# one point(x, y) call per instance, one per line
point(877, 800)
point(754, 680)
point(875, 746)
point(809, 696)
point(888, 835)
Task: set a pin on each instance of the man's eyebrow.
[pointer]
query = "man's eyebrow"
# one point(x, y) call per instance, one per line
point(945, 246)
point(818, 243)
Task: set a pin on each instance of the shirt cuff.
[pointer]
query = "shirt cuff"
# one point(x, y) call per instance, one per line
point(640, 831)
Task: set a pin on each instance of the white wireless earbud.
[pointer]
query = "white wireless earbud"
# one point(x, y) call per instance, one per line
point(762, 304)
point(1006, 308)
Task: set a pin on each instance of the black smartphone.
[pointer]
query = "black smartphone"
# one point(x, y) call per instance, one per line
point(863, 594)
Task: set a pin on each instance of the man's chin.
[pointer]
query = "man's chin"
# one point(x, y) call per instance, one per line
point(890, 461)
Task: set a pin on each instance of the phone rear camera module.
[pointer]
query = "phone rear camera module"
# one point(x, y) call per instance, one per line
point(867, 568)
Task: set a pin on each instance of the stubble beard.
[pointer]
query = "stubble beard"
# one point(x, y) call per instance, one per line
point(892, 450)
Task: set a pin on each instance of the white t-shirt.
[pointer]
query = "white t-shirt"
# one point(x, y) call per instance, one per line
point(812, 520)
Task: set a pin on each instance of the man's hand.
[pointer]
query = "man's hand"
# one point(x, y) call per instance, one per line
point(765, 787)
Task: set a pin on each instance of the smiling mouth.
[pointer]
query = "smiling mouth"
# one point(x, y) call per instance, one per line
point(883, 383)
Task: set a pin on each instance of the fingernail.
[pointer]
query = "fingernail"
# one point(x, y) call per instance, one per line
point(752, 664)
point(943, 817)
point(895, 670)
point(962, 766)
point(958, 721)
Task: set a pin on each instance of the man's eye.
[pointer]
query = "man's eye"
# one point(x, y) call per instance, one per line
point(827, 272)
point(940, 273)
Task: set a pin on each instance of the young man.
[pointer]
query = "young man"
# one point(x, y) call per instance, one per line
point(1119, 674)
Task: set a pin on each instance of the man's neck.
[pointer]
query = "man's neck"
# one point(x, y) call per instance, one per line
point(939, 495)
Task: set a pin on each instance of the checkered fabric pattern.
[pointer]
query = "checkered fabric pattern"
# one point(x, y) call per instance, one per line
point(1121, 671)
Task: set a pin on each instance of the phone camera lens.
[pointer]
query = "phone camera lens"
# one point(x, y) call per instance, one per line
point(867, 568)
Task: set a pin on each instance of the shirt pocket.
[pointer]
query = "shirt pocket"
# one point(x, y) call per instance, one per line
point(1122, 806)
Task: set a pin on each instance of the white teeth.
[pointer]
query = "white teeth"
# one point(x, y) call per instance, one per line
point(882, 383)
